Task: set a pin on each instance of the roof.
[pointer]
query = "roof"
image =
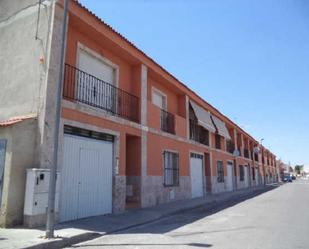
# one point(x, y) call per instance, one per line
point(157, 64)
point(15, 120)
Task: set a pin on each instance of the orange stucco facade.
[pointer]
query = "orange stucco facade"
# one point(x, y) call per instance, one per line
point(136, 156)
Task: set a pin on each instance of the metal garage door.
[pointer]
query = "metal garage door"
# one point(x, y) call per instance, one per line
point(86, 178)
point(246, 176)
point(229, 179)
point(196, 171)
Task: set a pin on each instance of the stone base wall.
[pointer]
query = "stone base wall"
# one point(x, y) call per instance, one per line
point(119, 194)
point(133, 189)
point(218, 187)
point(241, 184)
point(155, 193)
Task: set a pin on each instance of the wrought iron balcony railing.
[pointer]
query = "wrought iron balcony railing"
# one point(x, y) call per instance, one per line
point(85, 88)
point(167, 122)
point(230, 146)
point(246, 153)
point(198, 133)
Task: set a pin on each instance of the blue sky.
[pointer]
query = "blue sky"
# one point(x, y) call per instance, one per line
point(250, 59)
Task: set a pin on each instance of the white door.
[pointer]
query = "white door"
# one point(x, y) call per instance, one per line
point(229, 182)
point(86, 178)
point(92, 87)
point(246, 176)
point(257, 178)
point(196, 171)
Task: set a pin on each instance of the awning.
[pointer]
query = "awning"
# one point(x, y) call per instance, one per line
point(221, 128)
point(203, 117)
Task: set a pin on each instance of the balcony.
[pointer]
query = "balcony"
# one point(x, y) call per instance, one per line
point(230, 146)
point(167, 122)
point(198, 133)
point(82, 87)
point(246, 153)
point(256, 157)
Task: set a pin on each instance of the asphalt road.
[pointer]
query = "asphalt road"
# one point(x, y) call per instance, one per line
point(277, 219)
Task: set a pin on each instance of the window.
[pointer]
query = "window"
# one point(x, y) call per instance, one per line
point(220, 171)
point(241, 173)
point(253, 173)
point(218, 142)
point(230, 146)
point(159, 99)
point(171, 168)
point(96, 80)
point(198, 133)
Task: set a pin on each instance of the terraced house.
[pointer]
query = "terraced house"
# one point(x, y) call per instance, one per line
point(131, 135)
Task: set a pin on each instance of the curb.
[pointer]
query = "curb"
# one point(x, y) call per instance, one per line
point(63, 242)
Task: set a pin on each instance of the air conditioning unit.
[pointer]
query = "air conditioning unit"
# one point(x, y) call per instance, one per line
point(36, 196)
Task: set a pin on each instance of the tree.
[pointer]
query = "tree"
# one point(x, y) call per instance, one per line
point(298, 169)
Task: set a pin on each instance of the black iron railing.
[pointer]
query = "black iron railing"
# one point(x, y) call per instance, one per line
point(85, 88)
point(256, 157)
point(167, 122)
point(246, 153)
point(218, 141)
point(240, 150)
point(198, 133)
point(230, 146)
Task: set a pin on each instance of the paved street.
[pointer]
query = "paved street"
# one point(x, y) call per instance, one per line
point(277, 219)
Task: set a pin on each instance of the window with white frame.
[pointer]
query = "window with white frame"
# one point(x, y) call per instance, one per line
point(171, 168)
point(159, 99)
point(220, 171)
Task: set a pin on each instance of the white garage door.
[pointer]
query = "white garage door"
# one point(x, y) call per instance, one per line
point(246, 176)
point(196, 171)
point(86, 178)
point(229, 182)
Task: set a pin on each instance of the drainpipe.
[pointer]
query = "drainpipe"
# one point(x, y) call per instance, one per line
point(50, 221)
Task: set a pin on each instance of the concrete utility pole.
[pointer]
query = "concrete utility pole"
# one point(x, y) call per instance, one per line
point(50, 221)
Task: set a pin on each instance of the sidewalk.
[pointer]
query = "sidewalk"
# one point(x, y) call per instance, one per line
point(86, 229)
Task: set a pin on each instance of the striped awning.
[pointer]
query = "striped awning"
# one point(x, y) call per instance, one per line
point(203, 117)
point(221, 127)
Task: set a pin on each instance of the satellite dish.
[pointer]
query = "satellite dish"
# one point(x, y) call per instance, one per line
point(236, 153)
point(256, 150)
